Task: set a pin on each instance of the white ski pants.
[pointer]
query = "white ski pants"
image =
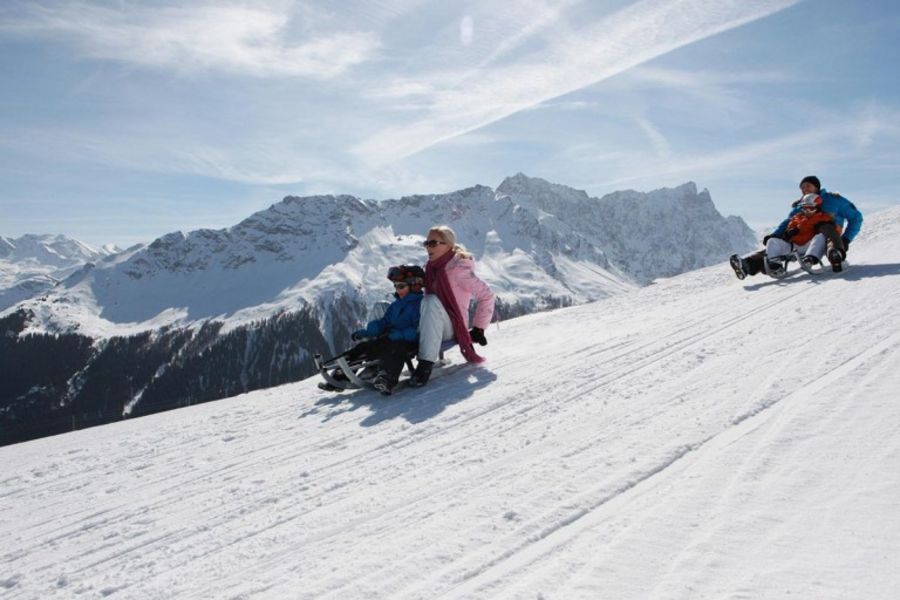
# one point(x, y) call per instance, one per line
point(434, 328)
point(778, 247)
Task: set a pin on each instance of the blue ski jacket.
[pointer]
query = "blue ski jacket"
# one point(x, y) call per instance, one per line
point(843, 211)
point(400, 321)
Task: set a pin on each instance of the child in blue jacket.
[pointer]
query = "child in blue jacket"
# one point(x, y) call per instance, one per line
point(395, 335)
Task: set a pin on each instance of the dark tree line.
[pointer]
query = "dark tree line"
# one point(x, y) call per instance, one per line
point(53, 383)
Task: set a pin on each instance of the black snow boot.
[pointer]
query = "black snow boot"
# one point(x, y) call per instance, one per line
point(383, 384)
point(421, 374)
point(836, 260)
point(737, 263)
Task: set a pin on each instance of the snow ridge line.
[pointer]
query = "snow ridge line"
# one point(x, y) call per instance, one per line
point(532, 550)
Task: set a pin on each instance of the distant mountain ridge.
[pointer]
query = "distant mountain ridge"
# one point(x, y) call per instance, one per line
point(538, 244)
point(33, 264)
point(661, 233)
point(180, 320)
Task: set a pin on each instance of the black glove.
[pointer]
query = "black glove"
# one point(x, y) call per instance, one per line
point(846, 242)
point(771, 235)
point(477, 335)
point(789, 234)
point(358, 335)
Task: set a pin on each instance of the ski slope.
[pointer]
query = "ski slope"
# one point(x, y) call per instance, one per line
point(698, 438)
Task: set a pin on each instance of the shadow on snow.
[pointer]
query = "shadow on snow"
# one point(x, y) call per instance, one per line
point(853, 273)
point(413, 404)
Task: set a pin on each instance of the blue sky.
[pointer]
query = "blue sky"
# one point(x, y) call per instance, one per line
point(122, 121)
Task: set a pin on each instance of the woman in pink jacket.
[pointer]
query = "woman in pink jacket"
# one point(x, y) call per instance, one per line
point(450, 284)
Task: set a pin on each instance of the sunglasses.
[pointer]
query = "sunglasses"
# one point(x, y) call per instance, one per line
point(400, 285)
point(433, 243)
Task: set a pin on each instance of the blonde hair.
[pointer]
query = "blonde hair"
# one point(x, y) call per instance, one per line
point(449, 236)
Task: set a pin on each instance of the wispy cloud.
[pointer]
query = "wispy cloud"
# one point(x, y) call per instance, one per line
point(250, 40)
point(700, 79)
point(606, 47)
point(657, 139)
point(815, 147)
point(493, 60)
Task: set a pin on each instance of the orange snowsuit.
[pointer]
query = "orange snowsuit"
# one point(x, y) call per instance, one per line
point(803, 227)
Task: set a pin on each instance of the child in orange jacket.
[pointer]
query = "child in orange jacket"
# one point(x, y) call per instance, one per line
point(805, 232)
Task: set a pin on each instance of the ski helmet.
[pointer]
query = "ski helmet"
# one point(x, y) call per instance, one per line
point(810, 201)
point(413, 275)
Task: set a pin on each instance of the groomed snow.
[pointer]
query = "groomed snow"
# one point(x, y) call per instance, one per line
point(698, 438)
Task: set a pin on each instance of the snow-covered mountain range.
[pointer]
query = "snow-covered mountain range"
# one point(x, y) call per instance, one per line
point(31, 265)
point(539, 245)
point(697, 438)
point(207, 314)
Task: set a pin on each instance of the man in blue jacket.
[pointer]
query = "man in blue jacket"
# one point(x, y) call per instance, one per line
point(846, 217)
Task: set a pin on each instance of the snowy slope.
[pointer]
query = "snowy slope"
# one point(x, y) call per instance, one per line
point(697, 438)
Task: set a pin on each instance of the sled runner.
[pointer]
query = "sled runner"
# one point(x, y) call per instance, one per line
point(777, 266)
point(345, 373)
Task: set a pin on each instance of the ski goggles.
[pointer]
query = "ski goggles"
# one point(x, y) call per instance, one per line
point(433, 243)
point(400, 285)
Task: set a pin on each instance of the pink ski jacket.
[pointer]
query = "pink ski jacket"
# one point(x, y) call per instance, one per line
point(466, 285)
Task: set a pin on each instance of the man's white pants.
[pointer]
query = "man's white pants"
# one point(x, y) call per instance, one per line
point(434, 328)
point(778, 247)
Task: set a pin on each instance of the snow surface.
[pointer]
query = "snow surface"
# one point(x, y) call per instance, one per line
point(697, 438)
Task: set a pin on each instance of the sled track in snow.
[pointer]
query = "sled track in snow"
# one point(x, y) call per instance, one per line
point(470, 582)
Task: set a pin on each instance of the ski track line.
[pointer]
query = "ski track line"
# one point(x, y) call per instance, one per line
point(176, 450)
point(534, 448)
point(776, 423)
point(775, 427)
point(534, 549)
point(162, 498)
point(178, 485)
